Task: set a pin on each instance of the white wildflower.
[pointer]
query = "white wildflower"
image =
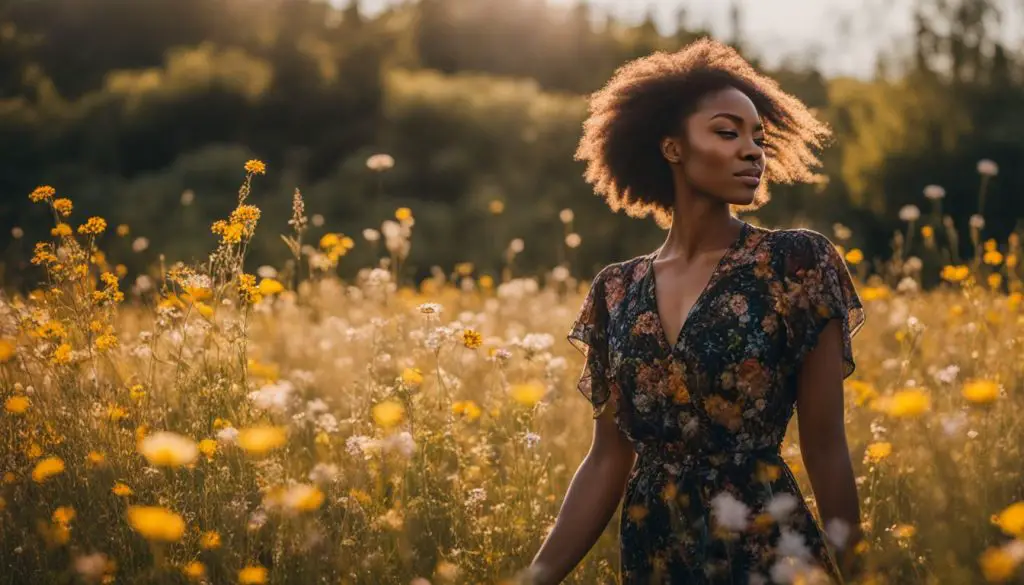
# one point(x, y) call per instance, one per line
point(934, 192)
point(781, 506)
point(910, 213)
point(729, 512)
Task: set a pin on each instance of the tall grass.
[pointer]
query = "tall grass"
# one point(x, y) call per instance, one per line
point(209, 425)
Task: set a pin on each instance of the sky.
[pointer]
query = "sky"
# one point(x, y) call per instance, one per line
point(844, 35)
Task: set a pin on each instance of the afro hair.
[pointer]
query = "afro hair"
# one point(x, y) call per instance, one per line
point(647, 99)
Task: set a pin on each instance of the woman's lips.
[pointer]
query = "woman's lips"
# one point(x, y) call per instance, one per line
point(749, 180)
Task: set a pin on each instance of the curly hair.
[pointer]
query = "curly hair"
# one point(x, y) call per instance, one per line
point(647, 99)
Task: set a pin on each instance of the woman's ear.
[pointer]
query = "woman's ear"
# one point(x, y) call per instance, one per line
point(671, 150)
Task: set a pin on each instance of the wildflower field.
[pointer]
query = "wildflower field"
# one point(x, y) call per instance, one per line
point(204, 424)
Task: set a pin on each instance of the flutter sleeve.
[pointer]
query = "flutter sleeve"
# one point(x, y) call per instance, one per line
point(819, 288)
point(589, 334)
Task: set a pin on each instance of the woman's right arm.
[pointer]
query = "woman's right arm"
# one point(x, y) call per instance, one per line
point(590, 502)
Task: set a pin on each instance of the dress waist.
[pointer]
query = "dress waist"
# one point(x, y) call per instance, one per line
point(682, 459)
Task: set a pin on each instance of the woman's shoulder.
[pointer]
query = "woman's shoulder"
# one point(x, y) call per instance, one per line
point(622, 272)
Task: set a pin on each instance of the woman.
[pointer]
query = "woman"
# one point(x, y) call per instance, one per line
point(704, 347)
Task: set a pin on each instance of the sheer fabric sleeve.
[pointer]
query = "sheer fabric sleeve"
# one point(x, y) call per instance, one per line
point(820, 288)
point(589, 334)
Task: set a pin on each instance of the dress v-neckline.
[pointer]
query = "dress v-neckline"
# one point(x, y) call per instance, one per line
point(653, 288)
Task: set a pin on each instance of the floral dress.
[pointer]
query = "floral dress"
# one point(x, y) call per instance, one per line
point(710, 499)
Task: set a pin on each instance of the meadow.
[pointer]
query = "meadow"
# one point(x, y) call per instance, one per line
point(204, 424)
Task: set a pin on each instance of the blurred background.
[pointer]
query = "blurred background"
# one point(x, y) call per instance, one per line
point(144, 112)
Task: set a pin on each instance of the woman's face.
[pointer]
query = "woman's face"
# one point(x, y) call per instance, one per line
point(721, 154)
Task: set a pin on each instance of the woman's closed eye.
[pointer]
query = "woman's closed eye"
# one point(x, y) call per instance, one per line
point(732, 135)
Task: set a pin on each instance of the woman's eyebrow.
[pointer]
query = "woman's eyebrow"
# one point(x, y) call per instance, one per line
point(738, 119)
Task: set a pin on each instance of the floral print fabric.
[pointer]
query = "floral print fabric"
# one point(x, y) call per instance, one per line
point(710, 499)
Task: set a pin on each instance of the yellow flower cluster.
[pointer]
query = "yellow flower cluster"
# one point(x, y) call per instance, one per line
point(93, 227)
point(958, 273)
point(335, 246)
point(63, 206)
point(111, 293)
point(42, 193)
point(255, 167)
point(247, 289)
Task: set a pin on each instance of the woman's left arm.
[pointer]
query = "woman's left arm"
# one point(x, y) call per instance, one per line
point(822, 433)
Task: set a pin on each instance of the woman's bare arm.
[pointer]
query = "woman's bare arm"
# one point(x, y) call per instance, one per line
point(823, 438)
point(590, 502)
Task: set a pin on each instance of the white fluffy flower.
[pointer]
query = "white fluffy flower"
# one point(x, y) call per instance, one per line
point(837, 531)
point(781, 506)
point(934, 192)
point(792, 544)
point(324, 473)
point(729, 512)
point(910, 213)
point(274, 396)
point(987, 167)
point(227, 435)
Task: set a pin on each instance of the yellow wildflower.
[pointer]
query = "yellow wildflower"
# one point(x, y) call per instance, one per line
point(472, 339)
point(403, 214)
point(927, 231)
point(94, 226)
point(1011, 520)
point(63, 206)
point(904, 531)
point(121, 490)
point(981, 391)
point(486, 282)
point(137, 392)
point(252, 576)
point(998, 565)
point(994, 280)
point(874, 293)
point(42, 193)
point(855, 256)
point(1011, 260)
point(106, 341)
point(47, 468)
point(878, 451)
point(496, 206)
point(194, 570)
point(205, 310)
point(64, 515)
point(61, 230)
point(123, 230)
point(34, 451)
point(993, 258)
point(261, 440)
point(269, 287)
point(255, 167)
point(208, 447)
point(166, 449)
point(115, 413)
point(10, 478)
point(956, 273)
point(330, 240)
point(7, 350)
point(412, 377)
point(527, 394)
point(863, 392)
point(389, 413)
point(909, 403)
point(295, 498)
point(247, 289)
point(156, 523)
point(17, 404)
point(210, 540)
point(95, 458)
point(466, 408)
